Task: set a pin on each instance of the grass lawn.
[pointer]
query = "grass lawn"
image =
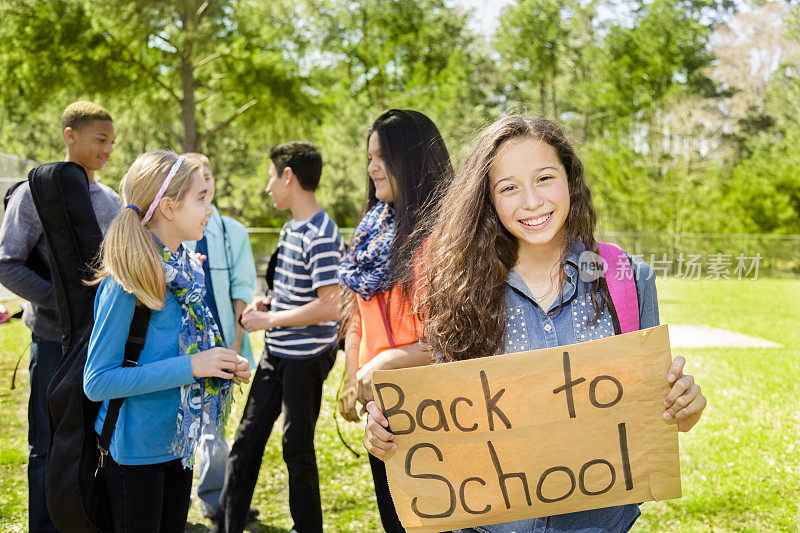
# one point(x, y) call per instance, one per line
point(740, 466)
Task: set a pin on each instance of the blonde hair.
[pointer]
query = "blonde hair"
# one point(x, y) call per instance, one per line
point(199, 157)
point(128, 253)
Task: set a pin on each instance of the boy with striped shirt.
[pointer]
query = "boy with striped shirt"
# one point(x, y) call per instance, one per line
point(300, 345)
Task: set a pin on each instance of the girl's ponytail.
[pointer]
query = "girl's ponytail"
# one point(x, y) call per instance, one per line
point(128, 252)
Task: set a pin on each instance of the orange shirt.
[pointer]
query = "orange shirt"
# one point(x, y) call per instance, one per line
point(370, 325)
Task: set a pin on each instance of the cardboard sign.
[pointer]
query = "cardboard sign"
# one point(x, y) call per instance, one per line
point(532, 434)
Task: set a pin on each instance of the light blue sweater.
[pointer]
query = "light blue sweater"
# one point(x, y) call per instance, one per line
point(233, 273)
point(148, 418)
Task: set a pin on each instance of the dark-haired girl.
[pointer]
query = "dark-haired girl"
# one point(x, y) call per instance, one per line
point(502, 275)
point(407, 162)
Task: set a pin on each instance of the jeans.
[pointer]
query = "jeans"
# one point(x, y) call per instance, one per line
point(148, 497)
point(294, 387)
point(45, 356)
point(389, 520)
point(616, 519)
point(211, 467)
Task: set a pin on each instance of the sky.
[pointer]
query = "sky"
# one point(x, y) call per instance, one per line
point(485, 13)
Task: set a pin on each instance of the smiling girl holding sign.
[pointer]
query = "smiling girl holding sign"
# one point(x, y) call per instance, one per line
point(503, 274)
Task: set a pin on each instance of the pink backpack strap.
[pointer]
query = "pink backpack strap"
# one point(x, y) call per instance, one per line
point(622, 285)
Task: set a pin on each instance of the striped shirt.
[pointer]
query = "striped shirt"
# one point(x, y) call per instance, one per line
point(308, 258)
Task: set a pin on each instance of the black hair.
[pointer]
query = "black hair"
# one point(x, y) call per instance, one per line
point(418, 161)
point(303, 158)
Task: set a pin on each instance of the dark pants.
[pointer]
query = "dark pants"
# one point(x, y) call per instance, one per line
point(45, 356)
point(385, 504)
point(147, 498)
point(293, 387)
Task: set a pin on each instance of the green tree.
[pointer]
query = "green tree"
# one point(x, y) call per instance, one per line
point(531, 39)
point(174, 74)
point(210, 61)
point(655, 91)
point(376, 55)
point(764, 181)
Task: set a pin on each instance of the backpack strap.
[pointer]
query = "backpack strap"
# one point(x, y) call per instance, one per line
point(133, 347)
point(10, 193)
point(271, 266)
point(621, 285)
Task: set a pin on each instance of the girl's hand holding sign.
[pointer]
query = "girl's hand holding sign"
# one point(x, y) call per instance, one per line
point(685, 401)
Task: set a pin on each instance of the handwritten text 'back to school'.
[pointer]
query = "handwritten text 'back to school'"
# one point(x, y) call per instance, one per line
point(556, 427)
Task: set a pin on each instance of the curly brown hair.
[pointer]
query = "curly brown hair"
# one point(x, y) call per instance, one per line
point(469, 253)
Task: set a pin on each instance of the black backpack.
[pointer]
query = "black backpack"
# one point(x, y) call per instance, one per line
point(269, 276)
point(35, 261)
point(76, 498)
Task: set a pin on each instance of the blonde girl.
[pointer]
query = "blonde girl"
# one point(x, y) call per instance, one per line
point(182, 381)
point(503, 275)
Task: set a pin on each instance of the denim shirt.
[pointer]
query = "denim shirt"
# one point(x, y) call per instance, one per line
point(529, 327)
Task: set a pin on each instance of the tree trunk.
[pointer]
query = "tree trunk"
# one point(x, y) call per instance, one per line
point(189, 143)
point(585, 125)
point(653, 151)
point(543, 97)
point(581, 60)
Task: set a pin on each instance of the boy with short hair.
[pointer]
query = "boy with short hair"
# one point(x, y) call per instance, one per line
point(230, 278)
point(300, 346)
point(89, 137)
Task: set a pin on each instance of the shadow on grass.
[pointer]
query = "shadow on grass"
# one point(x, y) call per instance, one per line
point(254, 526)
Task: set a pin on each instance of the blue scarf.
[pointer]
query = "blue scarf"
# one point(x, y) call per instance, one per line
point(207, 401)
point(365, 268)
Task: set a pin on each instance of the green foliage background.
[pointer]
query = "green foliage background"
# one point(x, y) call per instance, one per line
point(674, 138)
